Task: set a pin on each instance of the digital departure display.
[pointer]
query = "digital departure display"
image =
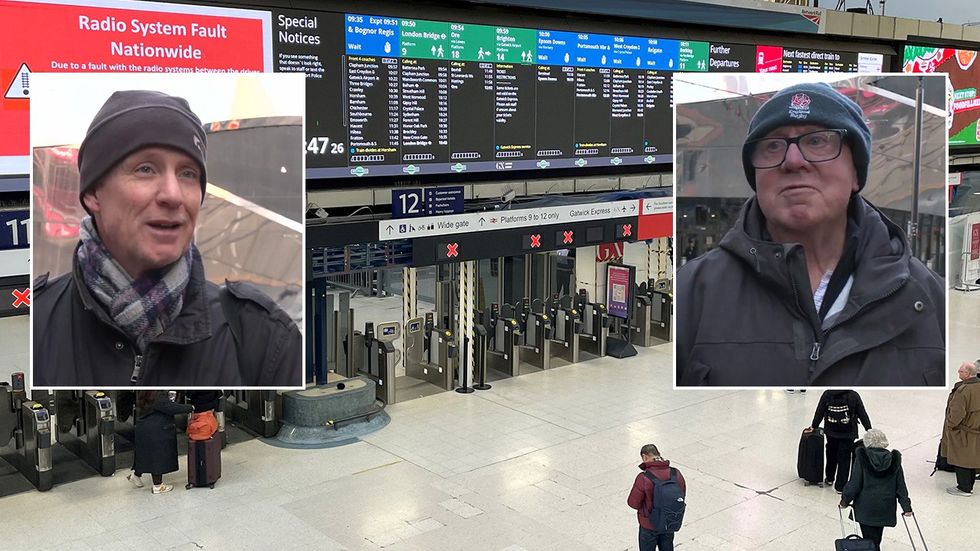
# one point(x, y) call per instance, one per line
point(964, 76)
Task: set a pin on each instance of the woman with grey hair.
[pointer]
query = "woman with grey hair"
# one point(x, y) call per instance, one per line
point(877, 481)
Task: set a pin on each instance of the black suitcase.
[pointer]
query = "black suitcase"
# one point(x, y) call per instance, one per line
point(809, 461)
point(203, 462)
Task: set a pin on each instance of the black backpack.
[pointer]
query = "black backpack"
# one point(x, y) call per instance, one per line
point(667, 513)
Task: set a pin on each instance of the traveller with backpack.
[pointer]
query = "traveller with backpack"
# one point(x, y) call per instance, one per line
point(659, 497)
point(840, 411)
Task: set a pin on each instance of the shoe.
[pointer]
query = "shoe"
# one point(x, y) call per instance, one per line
point(954, 491)
point(137, 481)
point(803, 391)
point(790, 390)
point(162, 489)
point(829, 482)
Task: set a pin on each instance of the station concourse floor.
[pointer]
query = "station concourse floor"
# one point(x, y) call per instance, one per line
point(540, 462)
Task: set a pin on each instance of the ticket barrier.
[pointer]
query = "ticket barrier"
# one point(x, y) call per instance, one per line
point(34, 460)
point(256, 410)
point(537, 329)
point(431, 352)
point(659, 311)
point(503, 346)
point(565, 337)
point(374, 354)
point(86, 426)
point(595, 325)
point(640, 330)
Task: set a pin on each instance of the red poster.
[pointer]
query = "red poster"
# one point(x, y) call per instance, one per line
point(127, 37)
point(974, 241)
point(768, 59)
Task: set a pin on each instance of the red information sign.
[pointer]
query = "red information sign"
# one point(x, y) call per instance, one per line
point(117, 36)
point(975, 242)
point(768, 59)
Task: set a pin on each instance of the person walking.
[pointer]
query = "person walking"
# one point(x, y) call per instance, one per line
point(961, 432)
point(840, 411)
point(156, 438)
point(877, 481)
point(657, 475)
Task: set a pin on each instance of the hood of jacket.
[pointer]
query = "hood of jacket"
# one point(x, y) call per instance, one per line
point(662, 464)
point(880, 460)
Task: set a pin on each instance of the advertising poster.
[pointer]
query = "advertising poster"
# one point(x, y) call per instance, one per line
point(115, 36)
point(964, 76)
point(619, 290)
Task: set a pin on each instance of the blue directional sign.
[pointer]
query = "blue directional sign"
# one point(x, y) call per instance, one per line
point(407, 203)
point(662, 54)
point(629, 52)
point(593, 50)
point(444, 200)
point(13, 229)
point(556, 48)
point(371, 35)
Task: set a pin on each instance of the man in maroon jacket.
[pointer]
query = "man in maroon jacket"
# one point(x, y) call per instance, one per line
point(641, 498)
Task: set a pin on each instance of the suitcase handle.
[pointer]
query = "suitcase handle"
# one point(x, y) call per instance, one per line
point(840, 513)
point(919, 530)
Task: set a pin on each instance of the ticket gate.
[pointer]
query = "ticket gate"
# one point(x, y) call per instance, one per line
point(374, 354)
point(565, 337)
point(537, 329)
point(641, 329)
point(34, 459)
point(431, 352)
point(256, 410)
point(85, 425)
point(661, 311)
point(595, 325)
point(503, 346)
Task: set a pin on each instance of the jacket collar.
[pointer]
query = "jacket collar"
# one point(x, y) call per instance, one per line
point(193, 324)
point(662, 464)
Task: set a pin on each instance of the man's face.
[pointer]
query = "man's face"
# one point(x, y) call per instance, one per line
point(799, 195)
point(146, 208)
point(963, 372)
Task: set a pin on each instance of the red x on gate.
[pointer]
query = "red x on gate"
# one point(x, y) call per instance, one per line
point(627, 230)
point(535, 240)
point(569, 237)
point(21, 297)
point(452, 250)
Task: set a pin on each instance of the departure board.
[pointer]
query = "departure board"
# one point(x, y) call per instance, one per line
point(413, 97)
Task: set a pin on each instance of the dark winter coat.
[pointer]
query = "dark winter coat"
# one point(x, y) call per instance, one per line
point(203, 400)
point(855, 406)
point(961, 432)
point(156, 437)
point(746, 315)
point(641, 495)
point(877, 481)
point(77, 344)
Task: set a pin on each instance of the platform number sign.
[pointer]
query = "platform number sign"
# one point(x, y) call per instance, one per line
point(14, 230)
point(407, 203)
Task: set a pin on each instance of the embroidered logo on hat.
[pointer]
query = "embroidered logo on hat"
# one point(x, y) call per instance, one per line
point(198, 144)
point(799, 106)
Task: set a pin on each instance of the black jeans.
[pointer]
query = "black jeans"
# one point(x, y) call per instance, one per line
point(651, 541)
point(873, 533)
point(839, 461)
point(965, 478)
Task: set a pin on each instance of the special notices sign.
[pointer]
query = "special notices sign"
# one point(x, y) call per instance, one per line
point(124, 36)
point(964, 76)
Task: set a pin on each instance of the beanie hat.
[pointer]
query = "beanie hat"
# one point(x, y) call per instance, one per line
point(811, 103)
point(875, 438)
point(131, 120)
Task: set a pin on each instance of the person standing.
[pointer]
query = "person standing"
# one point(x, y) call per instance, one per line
point(961, 432)
point(656, 470)
point(156, 438)
point(840, 410)
point(876, 483)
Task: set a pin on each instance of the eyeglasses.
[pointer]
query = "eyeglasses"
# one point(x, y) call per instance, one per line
point(816, 147)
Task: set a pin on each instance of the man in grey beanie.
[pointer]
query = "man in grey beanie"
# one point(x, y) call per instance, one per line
point(813, 285)
point(136, 308)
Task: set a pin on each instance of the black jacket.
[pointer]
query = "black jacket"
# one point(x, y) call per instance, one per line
point(77, 344)
point(877, 481)
point(156, 437)
point(856, 412)
point(745, 313)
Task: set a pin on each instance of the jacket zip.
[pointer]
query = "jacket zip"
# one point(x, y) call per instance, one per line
point(815, 353)
point(137, 368)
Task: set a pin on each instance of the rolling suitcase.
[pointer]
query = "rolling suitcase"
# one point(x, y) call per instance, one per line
point(919, 530)
point(809, 461)
point(203, 462)
point(851, 542)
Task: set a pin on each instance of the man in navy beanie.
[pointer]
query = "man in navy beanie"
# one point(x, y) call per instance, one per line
point(136, 309)
point(813, 285)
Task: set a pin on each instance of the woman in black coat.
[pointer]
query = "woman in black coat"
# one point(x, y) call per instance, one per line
point(156, 438)
point(877, 481)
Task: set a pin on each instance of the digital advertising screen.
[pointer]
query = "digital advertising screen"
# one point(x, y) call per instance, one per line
point(115, 36)
point(964, 76)
point(619, 290)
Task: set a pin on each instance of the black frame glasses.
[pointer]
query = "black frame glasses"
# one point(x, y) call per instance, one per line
point(811, 153)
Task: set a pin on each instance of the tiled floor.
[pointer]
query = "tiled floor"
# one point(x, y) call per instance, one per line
point(540, 462)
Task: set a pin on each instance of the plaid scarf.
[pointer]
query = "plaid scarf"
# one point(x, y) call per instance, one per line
point(142, 308)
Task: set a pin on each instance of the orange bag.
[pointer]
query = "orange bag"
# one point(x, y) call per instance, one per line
point(202, 426)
